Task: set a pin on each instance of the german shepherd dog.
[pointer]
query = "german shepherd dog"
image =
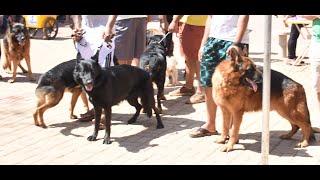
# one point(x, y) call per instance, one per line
point(51, 88)
point(14, 48)
point(154, 61)
point(237, 88)
point(111, 85)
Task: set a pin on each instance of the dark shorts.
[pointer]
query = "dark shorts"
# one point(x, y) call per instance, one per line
point(213, 53)
point(131, 35)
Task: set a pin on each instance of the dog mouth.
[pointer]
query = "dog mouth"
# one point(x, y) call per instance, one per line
point(22, 43)
point(253, 86)
point(89, 86)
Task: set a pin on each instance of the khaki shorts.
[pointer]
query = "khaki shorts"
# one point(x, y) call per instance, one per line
point(190, 38)
point(130, 39)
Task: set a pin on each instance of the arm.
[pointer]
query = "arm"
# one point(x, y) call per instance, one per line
point(107, 34)
point(163, 22)
point(241, 29)
point(311, 17)
point(173, 26)
point(205, 36)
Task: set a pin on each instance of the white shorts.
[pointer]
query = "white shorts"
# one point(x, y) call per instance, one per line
point(314, 57)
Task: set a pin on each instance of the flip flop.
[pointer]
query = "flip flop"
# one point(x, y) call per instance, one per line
point(201, 132)
point(86, 117)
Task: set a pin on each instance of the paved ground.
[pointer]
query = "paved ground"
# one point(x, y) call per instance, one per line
point(64, 142)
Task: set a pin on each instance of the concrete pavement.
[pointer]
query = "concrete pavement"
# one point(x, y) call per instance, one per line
point(65, 141)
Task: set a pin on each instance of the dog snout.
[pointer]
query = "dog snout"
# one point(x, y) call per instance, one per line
point(89, 81)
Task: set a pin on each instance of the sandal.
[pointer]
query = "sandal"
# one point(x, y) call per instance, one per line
point(201, 132)
point(86, 117)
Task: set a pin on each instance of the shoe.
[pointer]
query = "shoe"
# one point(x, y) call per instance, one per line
point(316, 129)
point(183, 91)
point(198, 97)
point(291, 62)
point(202, 133)
point(86, 117)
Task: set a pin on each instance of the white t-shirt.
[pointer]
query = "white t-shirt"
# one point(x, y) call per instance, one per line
point(225, 27)
point(120, 17)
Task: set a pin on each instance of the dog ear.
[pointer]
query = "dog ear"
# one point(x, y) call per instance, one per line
point(235, 58)
point(10, 23)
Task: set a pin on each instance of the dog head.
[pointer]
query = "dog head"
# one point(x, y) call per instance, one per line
point(17, 33)
point(245, 68)
point(87, 72)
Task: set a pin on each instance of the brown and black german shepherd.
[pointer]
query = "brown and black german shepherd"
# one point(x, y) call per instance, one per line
point(51, 88)
point(14, 48)
point(237, 88)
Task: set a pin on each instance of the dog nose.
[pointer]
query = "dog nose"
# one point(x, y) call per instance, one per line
point(89, 81)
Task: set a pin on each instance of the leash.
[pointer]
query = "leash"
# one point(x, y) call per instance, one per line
point(164, 37)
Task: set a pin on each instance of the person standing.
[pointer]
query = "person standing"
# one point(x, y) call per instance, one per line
point(190, 30)
point(314, 58)
point(221, 32)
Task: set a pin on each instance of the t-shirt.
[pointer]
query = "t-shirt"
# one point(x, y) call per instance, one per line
point(120, 17)
point(195, 20)
point(316, 30)
point(224, 27)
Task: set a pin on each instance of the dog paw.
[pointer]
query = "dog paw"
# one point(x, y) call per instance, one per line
point(160, 126)
point(11, 81)
point(285, 136)
point(221, 140)
point(43, 126)
point(106, 141)
point(132, 120)
point(302, 144)
point(226, 148)
point(92, 138)
point(73, 117)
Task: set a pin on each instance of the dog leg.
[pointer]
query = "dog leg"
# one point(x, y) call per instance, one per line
point(134, 102)
point(75, 95)
point(107, 112)
point(85, 101)
point(28, 62)
point(234, 135)
point(225, 126)
point(160, 96)
point(22, 68)
point(14, 75)
point(159, 122)
point(175, 77)
point(97, 112)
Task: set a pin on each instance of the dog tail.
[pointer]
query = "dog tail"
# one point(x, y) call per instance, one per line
point(147, 98)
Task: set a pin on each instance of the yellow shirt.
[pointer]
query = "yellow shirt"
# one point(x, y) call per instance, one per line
point(196, 20)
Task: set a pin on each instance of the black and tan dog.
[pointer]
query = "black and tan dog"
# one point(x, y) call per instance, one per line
point(51, 88)
point(154, 61)
point(109, 86)
point(14, 48)
point(237, 88)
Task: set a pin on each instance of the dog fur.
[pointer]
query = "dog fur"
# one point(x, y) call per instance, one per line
point(51, 88)
point(154, 61)
point(111, 85)
point(14, 48)
point(171, 71)
point(237, 88)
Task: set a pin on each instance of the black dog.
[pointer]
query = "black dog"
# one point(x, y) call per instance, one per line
point(111, 85)
point(154, 61)
point(51, 87)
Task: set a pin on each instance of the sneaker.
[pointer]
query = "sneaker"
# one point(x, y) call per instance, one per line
point(292, 61)
point(198, 97)
point(183, 91)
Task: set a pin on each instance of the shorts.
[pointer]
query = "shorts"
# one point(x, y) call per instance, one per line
point(130, 38)
point(213, 53)
point(190, 38)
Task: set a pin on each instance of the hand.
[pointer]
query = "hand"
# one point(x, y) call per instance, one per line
point(200, 53)
point(173, 27)
point(107, 37)
point(77, 34)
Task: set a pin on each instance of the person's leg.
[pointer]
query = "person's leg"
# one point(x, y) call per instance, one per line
point(214, 52)
point(292, 42)
point(315, 84)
